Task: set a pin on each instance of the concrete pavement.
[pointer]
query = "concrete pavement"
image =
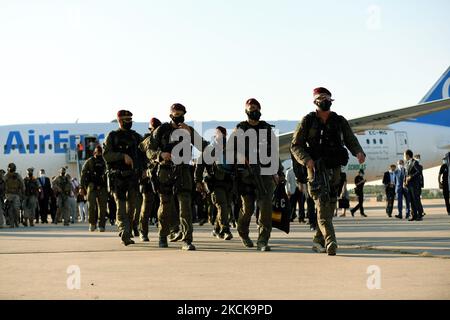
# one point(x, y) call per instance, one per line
point(407, 260)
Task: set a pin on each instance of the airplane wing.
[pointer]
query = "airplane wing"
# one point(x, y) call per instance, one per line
point(377, 121)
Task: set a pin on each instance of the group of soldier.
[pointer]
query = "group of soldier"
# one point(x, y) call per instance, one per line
point(154, 173)
point(32, 196)
point(158, 164)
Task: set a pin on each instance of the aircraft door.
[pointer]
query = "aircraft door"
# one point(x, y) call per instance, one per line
point(401, 140)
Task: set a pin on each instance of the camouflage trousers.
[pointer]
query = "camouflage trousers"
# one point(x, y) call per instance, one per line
point(167, 214)
point(63, 204)
point(97, 199)
point(148, 203)
point(30, 204)
point(325, 209)
point(264, 203)
point(14, 209)
point(221, 199)
point(126, 206)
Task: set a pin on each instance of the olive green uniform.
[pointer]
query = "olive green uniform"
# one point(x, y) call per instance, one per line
point(63, 187)
point(93, 179)
point(174, 182)
point(149, 196)
point(252, 191)
point(30, 200)
point(314, 140)
point(123, 179)
point(14, 190)
point(220, 184)
point(2, 199)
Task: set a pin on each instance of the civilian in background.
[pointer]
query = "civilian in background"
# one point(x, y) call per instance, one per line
point(443, 179)
point(359, 190)
point(390, 181)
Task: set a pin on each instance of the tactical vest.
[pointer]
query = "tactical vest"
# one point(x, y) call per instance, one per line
point(98, 174)
point(64, 184)
point(127, 142)
point(31, 186)
point(267, 139)
point(163, 136)
point(2, 188)
point(13, 184)
point(325, 140)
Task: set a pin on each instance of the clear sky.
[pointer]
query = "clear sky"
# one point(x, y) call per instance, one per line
point(66, 60)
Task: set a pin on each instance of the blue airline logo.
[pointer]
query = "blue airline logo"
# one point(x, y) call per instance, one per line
point(61, 140)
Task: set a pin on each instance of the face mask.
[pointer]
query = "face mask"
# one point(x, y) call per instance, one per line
point(177, 120)
point(254, 115)
point(127, 125)
point(325, 105)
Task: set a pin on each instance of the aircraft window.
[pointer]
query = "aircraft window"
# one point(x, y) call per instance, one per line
point(50, 146)
point(65, 146)
point(381, 141)
point(368, 141)
point(28, 147)
point(374, 141)
point(13, 147)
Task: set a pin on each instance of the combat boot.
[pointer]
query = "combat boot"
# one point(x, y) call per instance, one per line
point(174, 237)
point(215, 234)
point(247, 242)
point(144, 238)
point(227, 236)
point(318, 247)
point(127, 242)
point(31, 223)
point(163, 242)
point(331, 248)
point(263, 247)
point(101, 229)
point(92, 227)
point(187, 246)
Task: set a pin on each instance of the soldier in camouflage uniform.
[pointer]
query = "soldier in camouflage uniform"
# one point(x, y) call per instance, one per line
point(30, 200)
point(219, 182)
point(62, 185)
point(174, 181)
point(125, 164)
point(149, 196)
point(93, 183)
point(254, 185)
point(14, 190)
point(318, 143)
point(2, 198)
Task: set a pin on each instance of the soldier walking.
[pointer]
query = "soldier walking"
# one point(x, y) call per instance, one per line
point(124, 163)
point(93, 183)
point(318, 143)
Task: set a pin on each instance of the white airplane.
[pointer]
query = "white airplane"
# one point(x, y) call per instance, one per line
point(424, 128)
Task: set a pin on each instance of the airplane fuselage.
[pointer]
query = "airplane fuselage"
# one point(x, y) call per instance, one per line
point(47, 146)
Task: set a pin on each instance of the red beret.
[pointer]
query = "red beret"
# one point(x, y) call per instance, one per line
point(253, 101)
point(177, 107)
point(155, 123)
point(321, 91)
point(124, 113)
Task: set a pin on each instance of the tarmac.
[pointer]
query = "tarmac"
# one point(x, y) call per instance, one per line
point(378, 258)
